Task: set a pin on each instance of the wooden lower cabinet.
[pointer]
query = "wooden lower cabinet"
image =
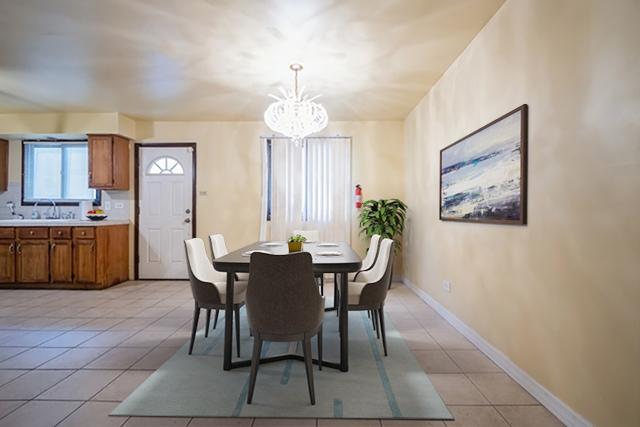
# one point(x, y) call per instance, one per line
point(32, 261)
point(7, 261)
point(61, 261)
point(84, 261)
point(72, 258)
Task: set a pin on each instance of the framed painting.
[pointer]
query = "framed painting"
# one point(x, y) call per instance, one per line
point(483, 176)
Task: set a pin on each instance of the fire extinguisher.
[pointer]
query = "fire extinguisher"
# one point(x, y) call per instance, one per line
point(358, 196)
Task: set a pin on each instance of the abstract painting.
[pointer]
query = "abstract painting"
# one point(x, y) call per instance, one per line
point(483, 176)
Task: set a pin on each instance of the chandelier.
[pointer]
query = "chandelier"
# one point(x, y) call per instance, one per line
point(294, 114)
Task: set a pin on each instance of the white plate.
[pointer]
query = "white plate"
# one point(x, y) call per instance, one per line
point(329, 253)
point(328, 245)
point(270, 244)
point(248, 253)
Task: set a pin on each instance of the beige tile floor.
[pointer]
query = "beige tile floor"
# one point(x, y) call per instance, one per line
point(68, 357)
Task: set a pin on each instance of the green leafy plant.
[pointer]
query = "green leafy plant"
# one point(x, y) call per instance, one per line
point(385, 217)
point(297, 238)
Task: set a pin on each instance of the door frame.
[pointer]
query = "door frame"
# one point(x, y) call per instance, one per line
point(136, 190)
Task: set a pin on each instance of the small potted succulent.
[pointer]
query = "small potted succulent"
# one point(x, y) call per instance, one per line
point(295, 242)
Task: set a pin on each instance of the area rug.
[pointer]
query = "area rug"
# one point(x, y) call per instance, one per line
point(393, 387)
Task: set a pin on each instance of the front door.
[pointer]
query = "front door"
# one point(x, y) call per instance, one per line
point(165, 195)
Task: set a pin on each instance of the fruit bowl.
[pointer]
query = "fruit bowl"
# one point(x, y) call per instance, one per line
point(96, 217)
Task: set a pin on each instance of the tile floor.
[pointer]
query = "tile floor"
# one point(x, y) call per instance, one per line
point(68, 357)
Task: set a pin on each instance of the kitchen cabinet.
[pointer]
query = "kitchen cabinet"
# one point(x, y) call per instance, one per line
point(61, 261)
point(84, 261)
point(7, 261)
point(73, 257)
point(4, 165)
point(108, 162)
point(32, 261)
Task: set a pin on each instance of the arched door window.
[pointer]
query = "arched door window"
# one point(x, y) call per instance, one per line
point(165, 165)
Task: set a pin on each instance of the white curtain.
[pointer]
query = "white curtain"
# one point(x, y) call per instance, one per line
point(310, 188)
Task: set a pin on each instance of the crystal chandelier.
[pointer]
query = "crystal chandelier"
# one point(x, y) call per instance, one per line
point(294, 114)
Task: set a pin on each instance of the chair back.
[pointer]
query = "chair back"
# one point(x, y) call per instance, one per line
point(282, 295)
point(218, 246)
point(370, 258)
point(202, 275)
point(378, 279)
point(312, 236)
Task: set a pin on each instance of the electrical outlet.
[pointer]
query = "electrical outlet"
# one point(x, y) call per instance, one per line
point(446, 285)
point(107, 205)
point(119, 205)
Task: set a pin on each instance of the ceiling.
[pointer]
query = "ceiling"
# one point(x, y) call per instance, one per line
point(219, 60)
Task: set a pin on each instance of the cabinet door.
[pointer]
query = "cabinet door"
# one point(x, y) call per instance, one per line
point(120, 163)
point(84, 261)
point(61, 257)
point(7, 261)
point(100, 161)
point(32, 261)
point(4, 165)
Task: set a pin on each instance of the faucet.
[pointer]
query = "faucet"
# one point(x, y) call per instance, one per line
point(52, 213)
point(12, 210)
point(34, 213)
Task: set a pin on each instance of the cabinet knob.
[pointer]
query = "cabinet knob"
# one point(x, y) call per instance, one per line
point(31, 232)
point(59, 233)
point(83, 233)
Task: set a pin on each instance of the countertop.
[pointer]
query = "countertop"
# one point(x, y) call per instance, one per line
point(60, 223)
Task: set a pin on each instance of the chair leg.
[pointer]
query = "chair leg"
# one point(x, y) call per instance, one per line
point(319, 337)
point(322, 285)
point(373, 319)
point(237, 316)
point(215, 319)
point(208, 322)
point(377, 322)
point(194, 328)
point(384, 334)
point(255, 362)
point(308, 364)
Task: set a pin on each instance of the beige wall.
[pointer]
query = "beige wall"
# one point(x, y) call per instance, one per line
point(229, 169)
point(560, 296)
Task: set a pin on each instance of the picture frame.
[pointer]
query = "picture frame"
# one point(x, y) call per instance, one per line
point(483, 176)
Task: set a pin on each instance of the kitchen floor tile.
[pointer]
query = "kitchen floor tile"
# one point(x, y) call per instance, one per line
point(529, 416)
point(457, 389)
point(500, 389)
point(473, 361)
point(82, 385)
point(31, 384)
point(32, 358)
point(75, 358)
point(436, 362)
point(69, 339)
point(475, 416)
point(118, 358)
point(156, 422)
point(120, 388)
point(39, 414)
point(94, 414)
point(155, 358)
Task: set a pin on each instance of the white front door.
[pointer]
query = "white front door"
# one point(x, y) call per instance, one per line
point(166, 211)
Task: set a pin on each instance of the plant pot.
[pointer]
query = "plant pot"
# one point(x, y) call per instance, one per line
point(295, 246)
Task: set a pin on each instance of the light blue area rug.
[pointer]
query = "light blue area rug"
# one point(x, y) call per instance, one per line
point(393, 387)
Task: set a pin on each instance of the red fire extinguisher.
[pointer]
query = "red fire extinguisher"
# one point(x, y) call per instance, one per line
point(358, 196)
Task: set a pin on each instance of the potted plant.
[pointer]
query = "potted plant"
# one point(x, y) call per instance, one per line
point(385, 217)
point(295, 242)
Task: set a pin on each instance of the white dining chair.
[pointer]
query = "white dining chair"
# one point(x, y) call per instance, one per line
point(209, 288)
point(369, 259)
point(312, 236)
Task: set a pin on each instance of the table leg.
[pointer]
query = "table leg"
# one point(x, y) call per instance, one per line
point(344, 323)
point(228, 321)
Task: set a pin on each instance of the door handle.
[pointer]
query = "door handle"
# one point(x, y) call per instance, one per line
point(188, 220)
point(188, 211)
point(12, 248)
point(19, 248)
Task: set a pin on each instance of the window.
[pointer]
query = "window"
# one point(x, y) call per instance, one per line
point(57, 171)
point(307, 186)
point(165, 166)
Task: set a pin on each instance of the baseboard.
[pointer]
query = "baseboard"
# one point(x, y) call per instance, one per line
point(544, 396)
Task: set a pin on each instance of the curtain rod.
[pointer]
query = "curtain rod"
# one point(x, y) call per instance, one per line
point(309, 137)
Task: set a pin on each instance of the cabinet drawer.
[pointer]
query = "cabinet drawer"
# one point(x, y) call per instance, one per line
point(33, 233)
point(84, 232)
point(7, 233)
point(60, 232)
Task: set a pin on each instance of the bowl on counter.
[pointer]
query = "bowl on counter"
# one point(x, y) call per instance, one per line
point(97, 217)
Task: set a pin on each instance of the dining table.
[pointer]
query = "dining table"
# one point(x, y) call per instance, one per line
point(338, 258)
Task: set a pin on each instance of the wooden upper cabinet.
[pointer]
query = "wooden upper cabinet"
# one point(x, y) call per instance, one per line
point(108, 162)
point(4, 165)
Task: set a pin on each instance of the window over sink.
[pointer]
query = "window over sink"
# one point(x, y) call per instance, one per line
point(56, 171)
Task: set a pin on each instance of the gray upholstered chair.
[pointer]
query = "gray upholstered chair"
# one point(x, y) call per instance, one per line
point(208, 287)
point(218, 250)
point(283, 304)
point(371, 293)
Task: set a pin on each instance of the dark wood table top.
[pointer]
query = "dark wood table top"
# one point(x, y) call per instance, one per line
point(349, 261)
